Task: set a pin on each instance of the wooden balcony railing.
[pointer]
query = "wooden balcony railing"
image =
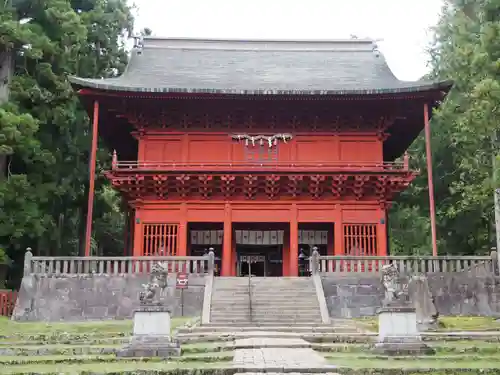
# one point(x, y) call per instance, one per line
point(271, 166)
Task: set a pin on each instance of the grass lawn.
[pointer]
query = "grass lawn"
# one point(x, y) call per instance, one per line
point(10, 328)
point(115, 367)
point(408, 364)
point(446, 323)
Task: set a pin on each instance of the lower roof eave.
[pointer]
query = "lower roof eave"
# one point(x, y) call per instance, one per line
point(108, 89)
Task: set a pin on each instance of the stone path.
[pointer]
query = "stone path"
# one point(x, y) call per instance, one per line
point(269, 353)
point(266, 342)
point(288, 373)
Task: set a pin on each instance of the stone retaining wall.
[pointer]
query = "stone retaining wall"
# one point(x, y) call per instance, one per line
point(96, 297)
point(467, 293)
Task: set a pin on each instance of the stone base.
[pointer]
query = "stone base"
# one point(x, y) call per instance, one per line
point(410, 345)
point(397, 321)
point(151, 336)
point(150, 346)
point(152, 320)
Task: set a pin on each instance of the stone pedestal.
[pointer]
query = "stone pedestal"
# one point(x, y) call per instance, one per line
point(398, 333)
point(151, 334)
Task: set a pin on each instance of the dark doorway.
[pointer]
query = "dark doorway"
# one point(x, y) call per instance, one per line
point(259, 260)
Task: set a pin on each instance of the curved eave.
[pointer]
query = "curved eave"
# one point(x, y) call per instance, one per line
point(105, 85)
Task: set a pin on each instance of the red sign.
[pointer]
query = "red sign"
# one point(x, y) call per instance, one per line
point(182, 281)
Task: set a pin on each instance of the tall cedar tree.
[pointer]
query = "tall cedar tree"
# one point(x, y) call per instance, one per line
point(44, 131)
point(466, 50)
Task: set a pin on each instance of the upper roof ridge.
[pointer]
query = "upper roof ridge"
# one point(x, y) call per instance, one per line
point(261, 44)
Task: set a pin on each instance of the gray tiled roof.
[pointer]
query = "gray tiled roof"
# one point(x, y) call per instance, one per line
point(257, 67)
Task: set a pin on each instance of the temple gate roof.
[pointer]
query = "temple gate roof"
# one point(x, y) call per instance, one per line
point(266, 67)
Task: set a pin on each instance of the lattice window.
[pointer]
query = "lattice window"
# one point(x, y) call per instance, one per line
point(160, 239)
point(360, 239)
point(261, 153)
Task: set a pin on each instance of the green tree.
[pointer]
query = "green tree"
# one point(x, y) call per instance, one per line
point(467, 51)
point(44, 131)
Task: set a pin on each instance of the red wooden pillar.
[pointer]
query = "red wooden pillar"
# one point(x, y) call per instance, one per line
point(182, 251)
point(286, 253)
point(131, 229)
point(294, 242)
point(126, 231)
point(227, 246)
point(92, 162)
point(382, 233)
point(138, 236)
point(234, 256)
point(338, 233)
point(330, 247)
point(430, 182)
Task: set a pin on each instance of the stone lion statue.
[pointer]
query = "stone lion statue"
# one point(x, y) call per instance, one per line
point(394, 289)
point(158, 279)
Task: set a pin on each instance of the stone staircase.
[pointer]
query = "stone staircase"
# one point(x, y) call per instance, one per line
point(230, 301)
point(270, 301)
point(284, 301)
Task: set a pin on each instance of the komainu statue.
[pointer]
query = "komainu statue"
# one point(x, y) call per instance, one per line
point(395, 291)
point(158, 279)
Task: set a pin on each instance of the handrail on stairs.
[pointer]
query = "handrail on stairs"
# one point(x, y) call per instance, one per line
point(249, 293)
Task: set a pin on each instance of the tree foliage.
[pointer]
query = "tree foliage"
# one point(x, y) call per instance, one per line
point(44, 131)
point(467, 51)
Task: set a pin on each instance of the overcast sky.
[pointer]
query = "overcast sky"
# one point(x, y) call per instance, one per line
point(402, 26)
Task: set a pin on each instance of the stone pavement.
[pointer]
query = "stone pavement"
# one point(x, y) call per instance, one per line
point(266, 342)
point(269, 353)
point(288, 373)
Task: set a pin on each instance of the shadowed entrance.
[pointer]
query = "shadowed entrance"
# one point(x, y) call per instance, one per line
point(259, 252)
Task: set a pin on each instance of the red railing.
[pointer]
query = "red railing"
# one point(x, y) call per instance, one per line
point(7, 302)
point(271, 166)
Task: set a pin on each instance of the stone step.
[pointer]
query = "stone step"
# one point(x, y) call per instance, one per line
point(283, 296)
point(277, 319)
point(285, 320)
point(285, 305)
point(283, 300)
point(225, 297)
point(313, 318)
point(271, 327)
point(327, 337)
point(274, 306)
point(305, 313)
point(282, 287)
point(265, 327)
point(275, 301)
point(229, 300)
point(284, 290)
point(236, 315)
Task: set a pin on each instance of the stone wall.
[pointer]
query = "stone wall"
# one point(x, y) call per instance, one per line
point(96, 297)
point(461, 293)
